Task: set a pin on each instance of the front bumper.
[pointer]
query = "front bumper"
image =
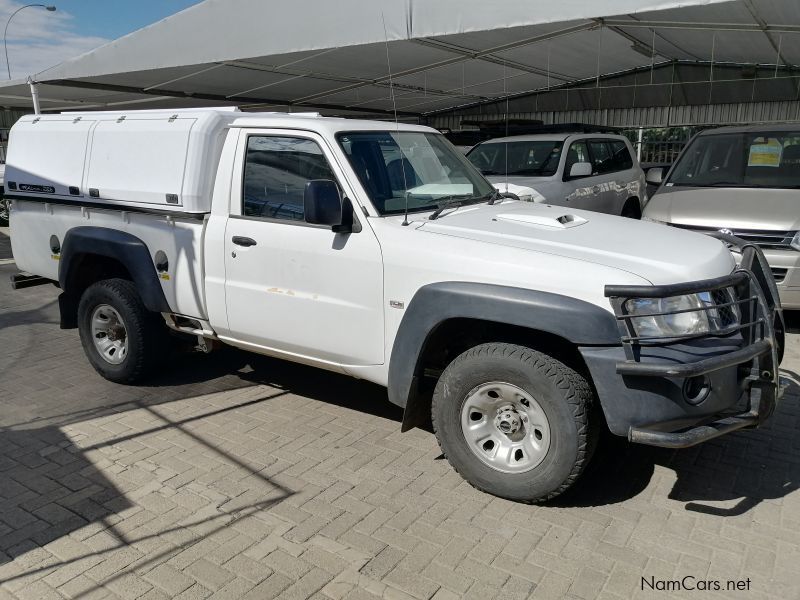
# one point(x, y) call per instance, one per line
point(679, 392)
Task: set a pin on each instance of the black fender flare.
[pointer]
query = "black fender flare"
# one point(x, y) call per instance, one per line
point(577, 321)
point(121, 246)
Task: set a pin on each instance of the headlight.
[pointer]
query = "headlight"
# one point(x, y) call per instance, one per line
point(676, 316)
point(795, 243)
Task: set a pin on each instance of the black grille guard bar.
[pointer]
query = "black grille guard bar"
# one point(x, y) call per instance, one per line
point(752, 282)
point(694, 369)
point(675, 289)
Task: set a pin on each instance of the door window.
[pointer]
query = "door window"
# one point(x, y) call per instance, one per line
point(577, 153)
point(601, 156)
point(276, 170)
point(621, 157)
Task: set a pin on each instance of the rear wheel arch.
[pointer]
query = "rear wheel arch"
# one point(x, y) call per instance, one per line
point(632, 208)
point(92, 254)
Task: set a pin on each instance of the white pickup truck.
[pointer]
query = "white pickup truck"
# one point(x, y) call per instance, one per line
point(516, 330)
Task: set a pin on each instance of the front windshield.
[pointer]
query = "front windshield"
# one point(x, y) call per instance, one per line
point(742, 160)
point(421, 169)
point(535, 158)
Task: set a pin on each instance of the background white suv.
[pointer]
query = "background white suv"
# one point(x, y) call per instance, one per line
point(590, 171)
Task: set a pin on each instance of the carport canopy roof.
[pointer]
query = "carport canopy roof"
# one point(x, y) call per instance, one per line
point(416, 56)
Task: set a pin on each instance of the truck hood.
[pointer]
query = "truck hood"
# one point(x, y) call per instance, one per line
point(657, 253)
point(730, 208)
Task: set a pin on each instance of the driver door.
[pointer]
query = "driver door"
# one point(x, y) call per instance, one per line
point(292, 287)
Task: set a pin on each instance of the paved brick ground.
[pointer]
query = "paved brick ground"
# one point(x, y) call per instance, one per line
point(235, 476)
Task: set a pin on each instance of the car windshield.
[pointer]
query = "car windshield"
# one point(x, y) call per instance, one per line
point(742, 160)
point(408, 168)
point(537, 158)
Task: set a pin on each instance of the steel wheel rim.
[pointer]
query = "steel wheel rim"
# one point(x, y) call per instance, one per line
point(109, 334)
point(4, 210)
point(505, 427)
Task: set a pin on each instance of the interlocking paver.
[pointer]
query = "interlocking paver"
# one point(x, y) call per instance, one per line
point(199, 486)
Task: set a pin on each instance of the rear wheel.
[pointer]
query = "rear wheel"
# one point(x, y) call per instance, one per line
point(122, 339)
point(514, 422)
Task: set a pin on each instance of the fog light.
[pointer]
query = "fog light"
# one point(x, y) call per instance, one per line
point(696, 389)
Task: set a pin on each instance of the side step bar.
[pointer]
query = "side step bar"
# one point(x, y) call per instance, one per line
point(21, 280)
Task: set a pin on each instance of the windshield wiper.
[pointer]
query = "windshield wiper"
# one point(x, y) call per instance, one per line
point(454, 202)
point(494, 196)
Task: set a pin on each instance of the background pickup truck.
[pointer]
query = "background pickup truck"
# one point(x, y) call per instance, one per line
point(516, 330)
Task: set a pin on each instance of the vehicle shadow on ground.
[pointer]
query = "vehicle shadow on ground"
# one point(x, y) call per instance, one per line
point(739, 470)
point(43, 315)
point(224, 370)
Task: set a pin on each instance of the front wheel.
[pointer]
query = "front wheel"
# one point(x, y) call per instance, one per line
point(514, 422)
point(121, 338)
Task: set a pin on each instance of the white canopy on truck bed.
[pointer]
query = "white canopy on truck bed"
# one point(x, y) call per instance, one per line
point(443, 53)
point(163, 160)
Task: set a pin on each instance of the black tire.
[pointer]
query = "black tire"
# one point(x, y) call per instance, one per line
point(631, 210)
point(564, 396)
point(146, 332)
point(4, 212)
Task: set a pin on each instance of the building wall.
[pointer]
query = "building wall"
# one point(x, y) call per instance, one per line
point(653, 116)
point(672, 94)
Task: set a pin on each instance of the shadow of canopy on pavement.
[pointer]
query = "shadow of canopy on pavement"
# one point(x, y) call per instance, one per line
point(48, 489)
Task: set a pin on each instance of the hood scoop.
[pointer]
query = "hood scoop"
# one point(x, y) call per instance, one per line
point(543, 220)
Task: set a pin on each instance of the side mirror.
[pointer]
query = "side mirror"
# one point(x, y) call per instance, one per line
point(581, 169)
point(324, 205)
point(322, 202)
point(655, 176)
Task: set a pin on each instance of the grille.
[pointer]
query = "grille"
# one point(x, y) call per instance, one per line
point(779, 274)
point(727, 314)
point(766, 239)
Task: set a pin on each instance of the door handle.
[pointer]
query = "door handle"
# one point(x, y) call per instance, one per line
point(243, 241)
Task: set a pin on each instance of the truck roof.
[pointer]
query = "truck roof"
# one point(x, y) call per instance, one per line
point(319, 123)
point(237, 118)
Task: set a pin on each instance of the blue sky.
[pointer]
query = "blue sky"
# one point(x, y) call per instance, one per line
point(115, 18)
point(38, 39)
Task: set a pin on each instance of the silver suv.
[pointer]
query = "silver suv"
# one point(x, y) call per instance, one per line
point(745, 181)
point(591, 171)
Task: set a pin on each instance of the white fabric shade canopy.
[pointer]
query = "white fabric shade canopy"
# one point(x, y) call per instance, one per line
point(318, 54)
